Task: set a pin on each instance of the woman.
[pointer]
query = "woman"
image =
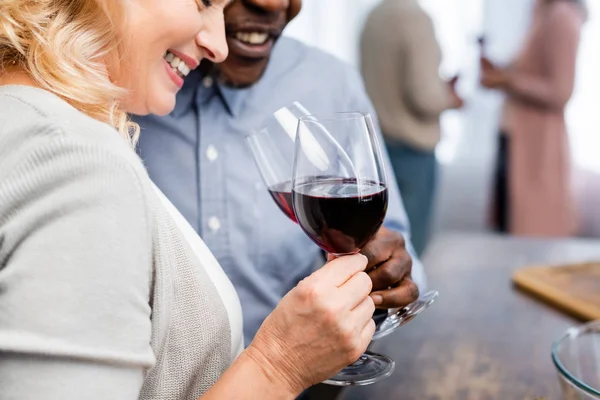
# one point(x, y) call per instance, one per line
point(105, 291)
point(533, 185)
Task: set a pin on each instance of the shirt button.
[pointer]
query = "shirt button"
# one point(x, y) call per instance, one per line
point(207, 81)
point(214, 224)
point(211, 153)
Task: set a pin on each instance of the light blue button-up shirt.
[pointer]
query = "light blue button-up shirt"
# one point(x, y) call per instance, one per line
point(198, 156)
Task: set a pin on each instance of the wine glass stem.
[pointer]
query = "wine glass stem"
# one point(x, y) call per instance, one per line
point(393, 311)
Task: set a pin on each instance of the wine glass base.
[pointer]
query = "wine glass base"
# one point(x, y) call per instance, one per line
point(369, 368)
point(404, 315)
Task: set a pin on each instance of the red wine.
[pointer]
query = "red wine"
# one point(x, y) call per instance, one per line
point(341, 215)
point(282, 194)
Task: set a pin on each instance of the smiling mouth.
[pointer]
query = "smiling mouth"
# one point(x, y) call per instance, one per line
point(252, 38)
point(177, 65)
point(251, 44)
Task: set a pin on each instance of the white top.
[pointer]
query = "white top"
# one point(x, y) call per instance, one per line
point(212, 267)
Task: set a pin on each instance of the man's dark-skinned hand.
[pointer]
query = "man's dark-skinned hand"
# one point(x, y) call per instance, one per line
point(390, 268)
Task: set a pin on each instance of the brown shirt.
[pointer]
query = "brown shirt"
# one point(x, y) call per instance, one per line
point(400, 64)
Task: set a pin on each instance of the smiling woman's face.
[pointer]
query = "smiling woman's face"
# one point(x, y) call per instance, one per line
point(165, 40)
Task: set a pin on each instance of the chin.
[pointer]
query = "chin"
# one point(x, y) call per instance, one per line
point(162, 111)
point(162, 106)
point(241, 76)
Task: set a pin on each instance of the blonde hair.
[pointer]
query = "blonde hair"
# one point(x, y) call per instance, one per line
point(66, 46)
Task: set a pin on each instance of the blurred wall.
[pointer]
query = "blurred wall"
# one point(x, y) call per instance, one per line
point(332, 25)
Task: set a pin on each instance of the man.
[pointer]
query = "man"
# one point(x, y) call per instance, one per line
point(199, 158)
point(400, 62)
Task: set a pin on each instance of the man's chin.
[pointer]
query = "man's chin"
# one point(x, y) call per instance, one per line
point(241, 75)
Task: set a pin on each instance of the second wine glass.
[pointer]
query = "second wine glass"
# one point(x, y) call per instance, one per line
point(272, 146)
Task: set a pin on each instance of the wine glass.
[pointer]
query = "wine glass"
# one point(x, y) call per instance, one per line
point(340, 197)
point(272, 146)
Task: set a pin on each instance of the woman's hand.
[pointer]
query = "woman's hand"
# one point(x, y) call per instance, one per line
point(322, 325)
point(492, 77)
point(456, 101)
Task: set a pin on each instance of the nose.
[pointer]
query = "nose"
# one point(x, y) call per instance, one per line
point(270, 5)
point(211, 39)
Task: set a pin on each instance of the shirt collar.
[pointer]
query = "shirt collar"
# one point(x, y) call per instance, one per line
point(234, 98)
point(186, 96)
point(284, 58)
point(196, 92)
point(199, 89)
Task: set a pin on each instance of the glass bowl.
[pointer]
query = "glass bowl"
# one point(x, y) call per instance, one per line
point(576, 356)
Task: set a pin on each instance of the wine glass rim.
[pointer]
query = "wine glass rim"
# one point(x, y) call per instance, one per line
point(341, 115)
point(262, 128)
point(564, 372)
point(255, 132)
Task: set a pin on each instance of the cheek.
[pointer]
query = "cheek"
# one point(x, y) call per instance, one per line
point(294, 10)
point(129, 69)
point(142, 70)
point(177, 25)
point(142, 82)
point(159, 95)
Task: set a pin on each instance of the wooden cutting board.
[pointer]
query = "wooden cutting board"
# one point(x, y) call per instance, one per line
point(574, 288)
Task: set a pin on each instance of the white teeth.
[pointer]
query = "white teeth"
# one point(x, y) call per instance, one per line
point(184, 69)
point(259, 38)
point(252, 38)
point(178, 65)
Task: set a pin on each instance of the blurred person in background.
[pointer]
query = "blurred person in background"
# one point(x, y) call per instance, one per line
point(199, 158)
point(400, 60)
point(533, 190)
